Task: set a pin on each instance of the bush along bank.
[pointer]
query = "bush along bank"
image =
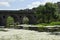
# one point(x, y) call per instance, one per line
point(44, 29)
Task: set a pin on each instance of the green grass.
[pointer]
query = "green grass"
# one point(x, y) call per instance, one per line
point(42, 25)
point(55, 23)
point(48, 24)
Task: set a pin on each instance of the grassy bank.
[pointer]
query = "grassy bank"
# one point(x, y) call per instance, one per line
point(48, 24)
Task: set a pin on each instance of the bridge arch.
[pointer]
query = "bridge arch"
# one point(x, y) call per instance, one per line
point(1, 23)
point(31, 18)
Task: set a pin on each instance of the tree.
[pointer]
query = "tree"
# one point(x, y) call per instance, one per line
point(40, 13)
point(47, 13)
point(10, 21)
point(51, 11)
point(25, 20)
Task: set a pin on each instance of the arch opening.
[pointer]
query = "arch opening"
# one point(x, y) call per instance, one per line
point(25, 20)
point(30, 19)
point(1, 22)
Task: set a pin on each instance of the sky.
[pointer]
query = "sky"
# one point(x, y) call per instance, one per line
point(22, 4)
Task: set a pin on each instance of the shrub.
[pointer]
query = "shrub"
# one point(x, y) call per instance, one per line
point(25, 20)
point(41, 29)
point(16, 25)
point(10, 21)
point(55, 23)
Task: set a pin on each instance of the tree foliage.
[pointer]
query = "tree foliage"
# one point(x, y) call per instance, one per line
point(47, 13)
point(10, 21)
point(25, 20)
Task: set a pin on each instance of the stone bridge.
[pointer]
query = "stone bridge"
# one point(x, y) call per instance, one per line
point(17, 15)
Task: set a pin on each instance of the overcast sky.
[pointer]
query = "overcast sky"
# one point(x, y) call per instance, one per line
point(22, 4)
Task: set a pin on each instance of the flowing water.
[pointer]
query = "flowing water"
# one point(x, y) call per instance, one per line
point(20, 34)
